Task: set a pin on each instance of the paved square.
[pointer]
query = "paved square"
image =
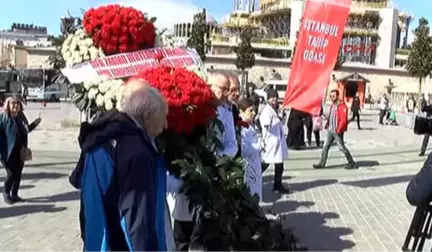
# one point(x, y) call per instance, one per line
point(331, 209)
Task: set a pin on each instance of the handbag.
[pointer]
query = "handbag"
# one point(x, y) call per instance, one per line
point(26, 154)
point(317, 123)
point(422, 125)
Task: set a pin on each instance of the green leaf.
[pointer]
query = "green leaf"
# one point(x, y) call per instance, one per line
point(199, 34)
point(245, 53)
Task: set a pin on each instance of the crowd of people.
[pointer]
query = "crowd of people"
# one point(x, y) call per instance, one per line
point(144, 222)
point(130, 202)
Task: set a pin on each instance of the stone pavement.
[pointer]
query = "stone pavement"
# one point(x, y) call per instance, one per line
point(330, 209)
point(335, 209)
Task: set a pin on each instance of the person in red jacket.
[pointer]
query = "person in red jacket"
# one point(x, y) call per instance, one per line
point(336, 126)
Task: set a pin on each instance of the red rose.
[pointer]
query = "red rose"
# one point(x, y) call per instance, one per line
point(128, 27)
point(190, 100)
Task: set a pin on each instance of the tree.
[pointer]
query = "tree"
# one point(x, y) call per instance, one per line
point(245, 54)
point(199, 34)
point(419, 63)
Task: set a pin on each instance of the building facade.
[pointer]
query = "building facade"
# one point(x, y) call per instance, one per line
point(376, 33)
point(30, 57)
point(22, 35)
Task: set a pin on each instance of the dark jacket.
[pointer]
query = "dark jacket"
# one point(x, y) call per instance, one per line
point(10, 129)
point(236, 119)
point(414, 104)
point(355, 106)
point(419, 190)
point(428, 110)
point(120, 176)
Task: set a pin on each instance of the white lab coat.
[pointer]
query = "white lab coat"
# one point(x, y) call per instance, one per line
point(250, 152)
point(178, 202)
point(169, 236)
point(275, 146)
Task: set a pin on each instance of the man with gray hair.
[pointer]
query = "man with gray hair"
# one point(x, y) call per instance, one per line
point(122, 177)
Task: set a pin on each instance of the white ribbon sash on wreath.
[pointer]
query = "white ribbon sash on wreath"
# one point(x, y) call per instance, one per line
point(130, 64)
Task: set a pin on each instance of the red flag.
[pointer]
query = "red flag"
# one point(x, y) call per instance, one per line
point(318, 43)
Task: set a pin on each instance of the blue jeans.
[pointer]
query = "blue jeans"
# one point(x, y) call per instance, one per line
point(332, 137)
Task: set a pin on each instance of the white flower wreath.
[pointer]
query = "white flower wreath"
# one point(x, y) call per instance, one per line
point(78, 48)
point(105, 93)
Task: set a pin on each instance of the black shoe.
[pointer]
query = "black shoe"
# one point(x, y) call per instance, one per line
point(7, 199)
point(281, 189)
point(17, 199)
point(318, 166)
point(350, 166)
point(421, 154)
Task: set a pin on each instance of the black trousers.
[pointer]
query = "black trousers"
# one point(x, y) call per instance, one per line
point(424, 144)
point(382, 114)
point(14, 168)
point(278, 172)
point(356, 115)
point(308, 122)
point(187, 236)
point(183, 231)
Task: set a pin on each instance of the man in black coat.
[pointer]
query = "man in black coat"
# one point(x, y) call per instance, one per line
point(428, 110)
point(355, 109)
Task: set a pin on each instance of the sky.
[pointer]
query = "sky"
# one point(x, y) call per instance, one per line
point(48, 12)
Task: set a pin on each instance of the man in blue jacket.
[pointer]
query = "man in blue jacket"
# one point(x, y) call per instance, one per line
point(122, 178)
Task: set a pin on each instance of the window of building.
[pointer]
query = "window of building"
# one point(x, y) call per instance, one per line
point(359, 49)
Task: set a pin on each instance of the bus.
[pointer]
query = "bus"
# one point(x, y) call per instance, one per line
point(41, 86)
point(9, 83)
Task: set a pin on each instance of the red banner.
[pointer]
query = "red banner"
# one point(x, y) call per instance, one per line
point(318, 44)
point(130, 64)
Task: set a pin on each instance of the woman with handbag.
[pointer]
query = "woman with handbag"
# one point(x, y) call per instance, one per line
point(13, 146)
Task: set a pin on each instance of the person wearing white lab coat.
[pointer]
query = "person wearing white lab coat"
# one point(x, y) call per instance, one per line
point(275, 146)
point(183, 220)
point(250, 148)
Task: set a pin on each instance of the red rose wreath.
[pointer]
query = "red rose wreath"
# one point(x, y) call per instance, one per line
point(118, 29)
point(190, 100)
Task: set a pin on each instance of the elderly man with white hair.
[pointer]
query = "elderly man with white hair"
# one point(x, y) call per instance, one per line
point(122, 177)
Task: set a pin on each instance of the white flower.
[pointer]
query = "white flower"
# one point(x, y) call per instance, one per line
point(87, 85)
point(99, 100)
point(109, 105)
point(86, 57)
point(104, 86)
point(118, 105)
point(88, 42)
point(92, 93)
point(119, 92)
point(78, 48)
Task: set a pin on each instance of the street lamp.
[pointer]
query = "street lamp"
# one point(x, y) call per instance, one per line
point(390, 86)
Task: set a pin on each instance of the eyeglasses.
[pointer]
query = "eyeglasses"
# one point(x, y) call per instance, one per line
point(235, 89)
point(223, 88)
